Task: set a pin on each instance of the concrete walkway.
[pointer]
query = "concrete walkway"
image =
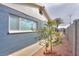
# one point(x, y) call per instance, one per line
point(27, 51)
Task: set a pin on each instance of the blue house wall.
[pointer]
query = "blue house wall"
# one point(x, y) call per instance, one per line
point(13, 42)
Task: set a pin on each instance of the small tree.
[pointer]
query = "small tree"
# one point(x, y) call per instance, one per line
point(58, 21)
point(48, 36)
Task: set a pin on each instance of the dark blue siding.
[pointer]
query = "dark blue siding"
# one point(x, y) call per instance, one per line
point(13, 42)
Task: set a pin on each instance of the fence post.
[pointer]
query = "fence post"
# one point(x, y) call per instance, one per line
point(75, 38)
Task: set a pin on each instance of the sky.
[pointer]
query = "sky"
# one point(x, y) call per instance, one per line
point(63, 11)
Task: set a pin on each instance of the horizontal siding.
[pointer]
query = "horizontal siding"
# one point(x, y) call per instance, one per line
point(13, 42)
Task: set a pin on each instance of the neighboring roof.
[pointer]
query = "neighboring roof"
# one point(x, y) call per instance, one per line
point(66, 26)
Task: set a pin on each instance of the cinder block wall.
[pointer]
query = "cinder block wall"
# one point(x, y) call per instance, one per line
point(70, 31)
point(73, 35)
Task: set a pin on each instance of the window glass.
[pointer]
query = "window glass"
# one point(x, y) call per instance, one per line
point(26, 24)
point(14, 22)
point(21, 24)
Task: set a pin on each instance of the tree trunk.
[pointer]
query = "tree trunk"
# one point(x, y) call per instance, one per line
point(57, 28)
point(50, 44)
point(51, 47)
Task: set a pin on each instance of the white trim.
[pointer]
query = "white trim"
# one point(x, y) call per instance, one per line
point(18, 31)
point(19, 24)
point(9, 23)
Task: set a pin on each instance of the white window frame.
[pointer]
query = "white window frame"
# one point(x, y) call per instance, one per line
point(19, 31)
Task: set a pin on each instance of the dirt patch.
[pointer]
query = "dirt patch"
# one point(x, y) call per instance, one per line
point(59, 50)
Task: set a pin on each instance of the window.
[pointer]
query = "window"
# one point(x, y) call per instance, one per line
point(26, 24)
point(20, 24)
